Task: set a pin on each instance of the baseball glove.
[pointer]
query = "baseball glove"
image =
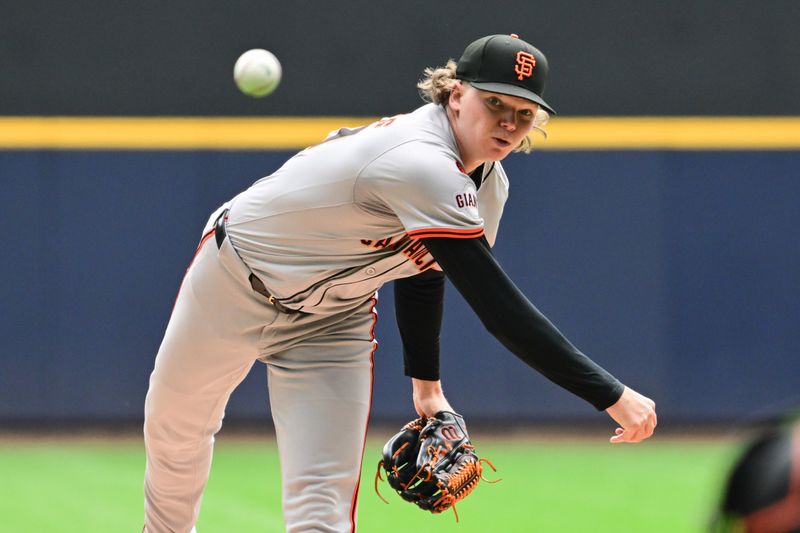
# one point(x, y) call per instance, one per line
point(432, 462)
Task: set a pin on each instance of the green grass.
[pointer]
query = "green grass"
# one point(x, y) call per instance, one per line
point(547, 486)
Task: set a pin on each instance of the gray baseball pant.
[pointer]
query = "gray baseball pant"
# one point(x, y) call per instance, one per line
point(319, 371)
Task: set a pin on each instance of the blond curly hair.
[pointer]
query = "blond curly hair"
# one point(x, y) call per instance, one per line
point(438, 83)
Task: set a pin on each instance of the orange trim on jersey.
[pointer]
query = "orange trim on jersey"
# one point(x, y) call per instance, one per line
point(452, 233)
point(354, 504)
point(203, 240)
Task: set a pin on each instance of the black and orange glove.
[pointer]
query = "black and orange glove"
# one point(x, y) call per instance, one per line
point(432, 462)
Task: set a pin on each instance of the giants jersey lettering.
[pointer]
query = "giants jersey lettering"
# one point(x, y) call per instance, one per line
point(341, 218)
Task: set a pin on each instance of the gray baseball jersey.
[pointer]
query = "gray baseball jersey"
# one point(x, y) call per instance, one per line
point(341, 218)
point(322, 234)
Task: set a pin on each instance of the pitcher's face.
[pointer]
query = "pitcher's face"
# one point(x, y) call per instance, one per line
point(487, 125)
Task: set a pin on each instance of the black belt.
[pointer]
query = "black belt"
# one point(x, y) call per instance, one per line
point(257, 284)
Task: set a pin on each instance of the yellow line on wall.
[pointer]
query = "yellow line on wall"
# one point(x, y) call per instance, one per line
point(285, 133)
point(167, 133)
point(679, 133)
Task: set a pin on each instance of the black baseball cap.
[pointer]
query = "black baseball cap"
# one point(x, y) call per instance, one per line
point(505, 64)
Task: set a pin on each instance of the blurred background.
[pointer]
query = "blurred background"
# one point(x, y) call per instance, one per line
point(657, 226)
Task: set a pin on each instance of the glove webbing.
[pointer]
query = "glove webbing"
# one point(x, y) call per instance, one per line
point(464, 478)
point(394, 468)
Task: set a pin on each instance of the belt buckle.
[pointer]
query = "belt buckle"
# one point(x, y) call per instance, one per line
point(271, 299)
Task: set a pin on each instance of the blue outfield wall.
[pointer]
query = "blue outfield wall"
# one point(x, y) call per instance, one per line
point(678, 271)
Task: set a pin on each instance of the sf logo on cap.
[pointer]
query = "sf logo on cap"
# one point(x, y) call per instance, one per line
point(525, 64)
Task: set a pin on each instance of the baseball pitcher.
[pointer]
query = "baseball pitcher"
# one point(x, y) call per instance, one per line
point(287, 273)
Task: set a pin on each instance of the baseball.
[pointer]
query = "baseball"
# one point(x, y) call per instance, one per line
point(257, 72)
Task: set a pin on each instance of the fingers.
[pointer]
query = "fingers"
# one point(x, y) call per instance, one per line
point(651, 421)
point(636, 415)
point(628, 436)
point(619, 437)
point(635, 433)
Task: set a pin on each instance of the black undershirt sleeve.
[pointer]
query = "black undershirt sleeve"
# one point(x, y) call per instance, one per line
point(418, 303)
point(511, 318)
